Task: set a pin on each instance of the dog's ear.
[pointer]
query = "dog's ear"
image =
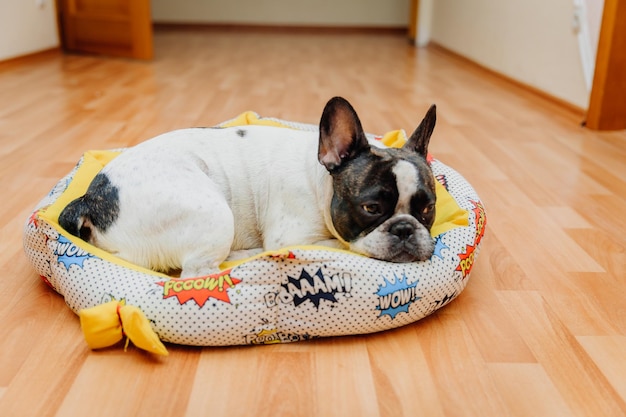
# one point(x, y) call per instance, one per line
point(420, 139)
point(341, 134)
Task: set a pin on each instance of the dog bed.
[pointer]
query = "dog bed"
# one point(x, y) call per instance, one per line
point(294, 294)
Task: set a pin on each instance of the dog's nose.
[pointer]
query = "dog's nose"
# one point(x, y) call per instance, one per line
point(403, 230)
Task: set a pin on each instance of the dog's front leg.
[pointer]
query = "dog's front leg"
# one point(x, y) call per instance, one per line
point(331, 243)
point(207, 241)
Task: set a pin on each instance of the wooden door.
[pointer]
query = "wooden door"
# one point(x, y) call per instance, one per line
point(413, 18)
point(607, 104)
point(108, 27)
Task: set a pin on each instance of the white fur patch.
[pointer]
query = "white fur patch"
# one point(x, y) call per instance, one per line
point(406, 180)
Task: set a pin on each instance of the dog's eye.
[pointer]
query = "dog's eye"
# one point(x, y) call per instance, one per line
point(372, 209)
point(427, 212)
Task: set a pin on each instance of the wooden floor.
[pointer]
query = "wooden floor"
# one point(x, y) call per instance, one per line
point(540, 329)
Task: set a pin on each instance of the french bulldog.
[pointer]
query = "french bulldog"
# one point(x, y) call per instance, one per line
point(187, 198)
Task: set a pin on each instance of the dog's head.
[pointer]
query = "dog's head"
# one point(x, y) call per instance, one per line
point(383, 200)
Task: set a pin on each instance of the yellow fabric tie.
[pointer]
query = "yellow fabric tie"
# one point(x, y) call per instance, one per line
point(107, 324)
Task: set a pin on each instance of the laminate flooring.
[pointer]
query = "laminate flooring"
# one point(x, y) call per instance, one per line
point(540, 329)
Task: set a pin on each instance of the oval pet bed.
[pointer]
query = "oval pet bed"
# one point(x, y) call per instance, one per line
point(297, 293)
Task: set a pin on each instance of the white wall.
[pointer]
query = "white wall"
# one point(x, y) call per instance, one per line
point(387, 13)
point(424, 22)
point(593, 11)
point(27, 27)
point(531, 41)
point(588, 22)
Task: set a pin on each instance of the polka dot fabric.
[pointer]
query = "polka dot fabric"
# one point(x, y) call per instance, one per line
point(295, 294)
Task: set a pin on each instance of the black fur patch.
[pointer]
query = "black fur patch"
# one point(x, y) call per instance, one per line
point(242, 133)
point(99, 207)
point(103, 201)
point(368, 180)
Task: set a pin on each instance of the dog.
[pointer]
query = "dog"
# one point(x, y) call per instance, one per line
point(187, 198)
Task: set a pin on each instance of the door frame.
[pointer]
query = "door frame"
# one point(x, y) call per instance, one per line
point(607, 102)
